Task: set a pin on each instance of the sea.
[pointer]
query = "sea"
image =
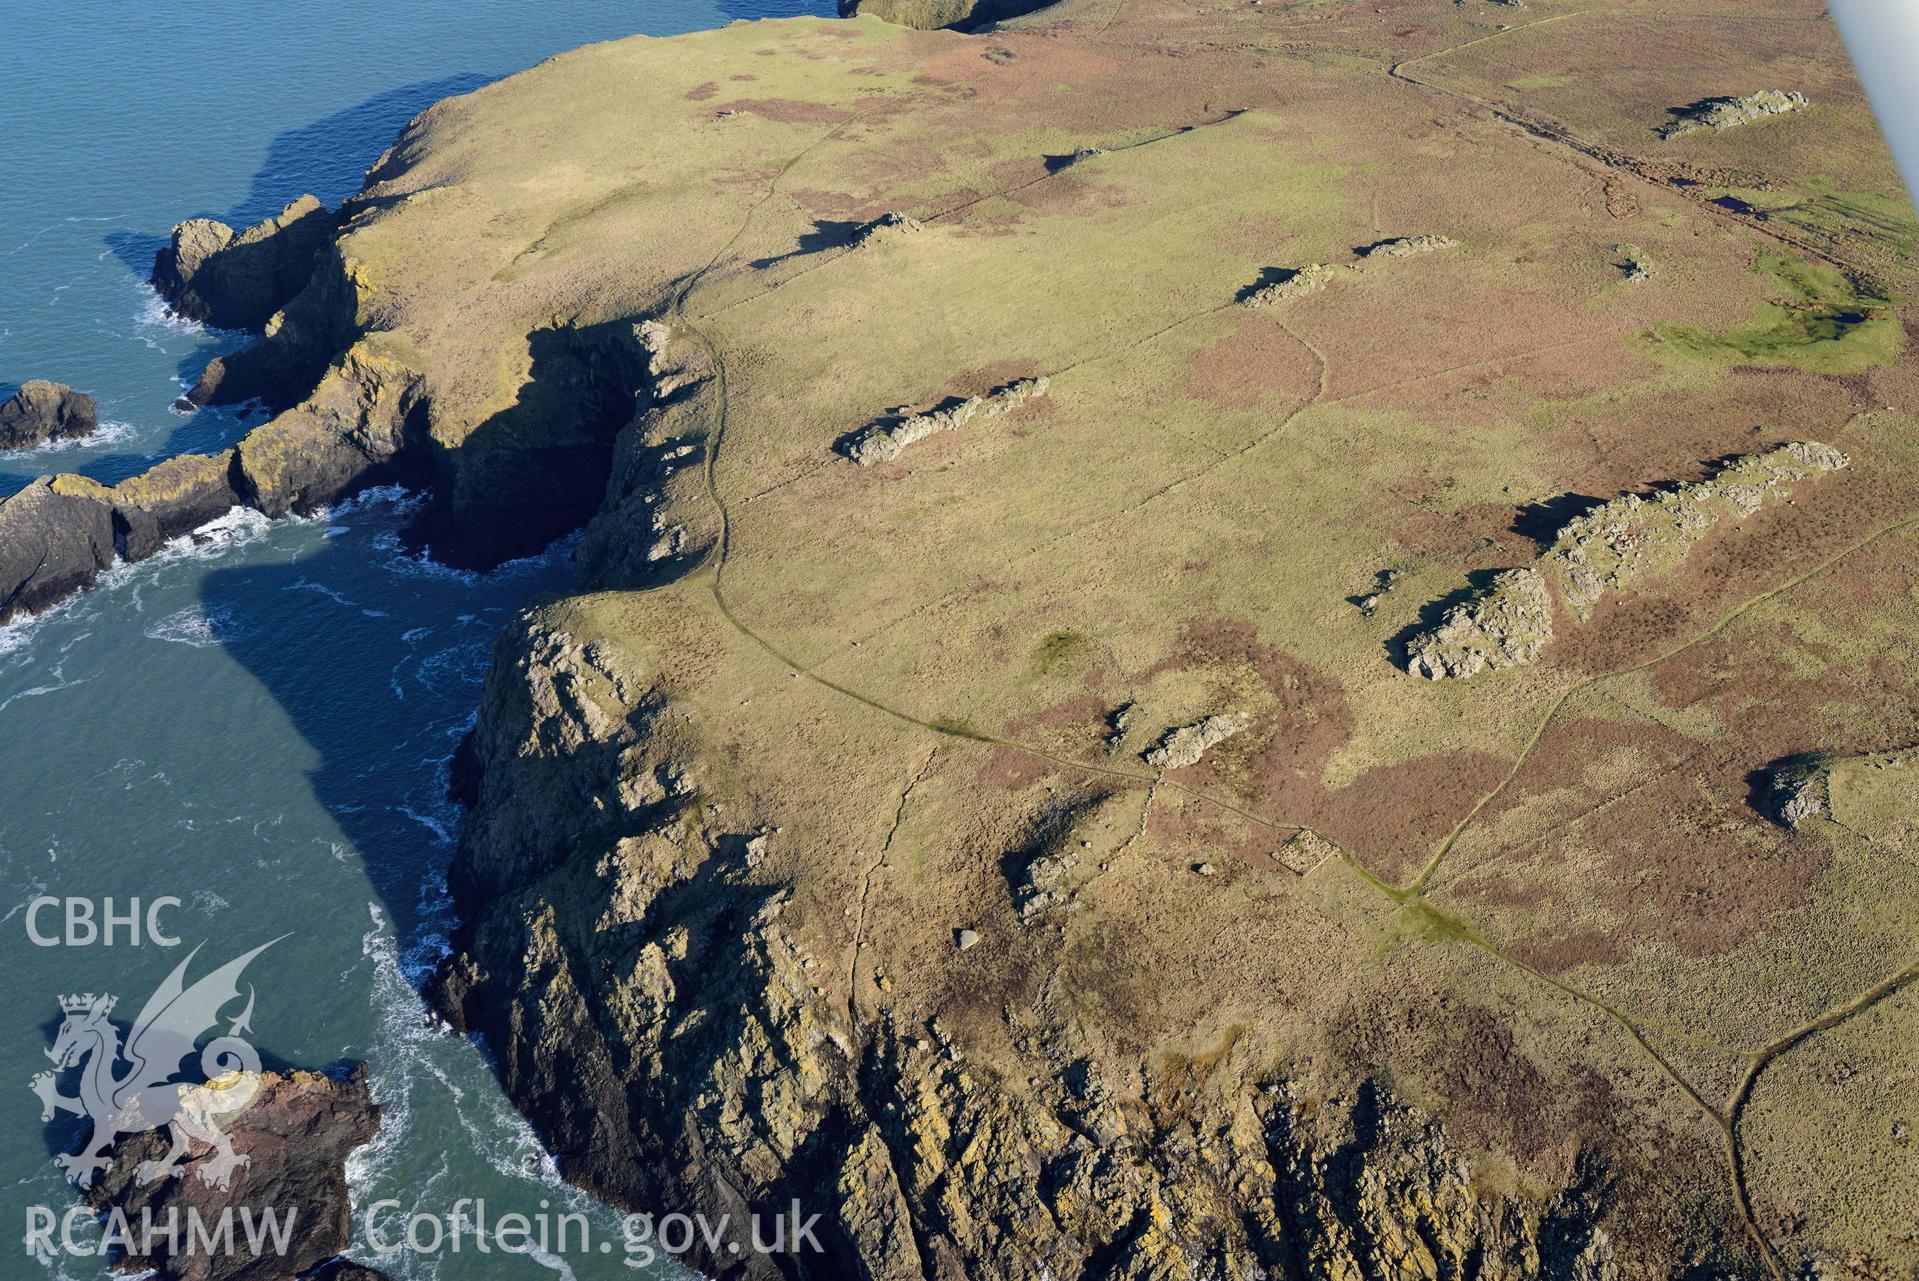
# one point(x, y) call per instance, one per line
point(243, 741)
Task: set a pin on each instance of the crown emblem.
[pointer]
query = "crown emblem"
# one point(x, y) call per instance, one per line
point(87, 1003)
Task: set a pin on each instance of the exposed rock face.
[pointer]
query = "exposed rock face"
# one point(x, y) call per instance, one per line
point(53, 541)
point(208, 273)
point(61, 531)
point(669, 1035)
point(42, 411)
point(1184, 745)
point(344, 1270)
point(1873, 796)
point(176, 497)
point(1613, 548)
point(1728, 113)
point(350, 433)
point(295, 1137)
point(1634, 537)
point(930, 15)
point(1504, 626)
point(888, 226)
point(883, 442)
point(1296, 285)
point(1799, 790)
point(1407, 246)
point(632, 541)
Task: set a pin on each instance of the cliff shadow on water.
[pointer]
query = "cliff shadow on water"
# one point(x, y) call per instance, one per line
point(378, 667)
point(327, 158)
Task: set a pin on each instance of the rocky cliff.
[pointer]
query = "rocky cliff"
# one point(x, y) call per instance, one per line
point(678, 1022)
point(829, 843)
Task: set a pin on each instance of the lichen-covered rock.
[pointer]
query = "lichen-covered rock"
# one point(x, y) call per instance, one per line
point(210, 274)
point(56, 535)
point(1297, 284)
point(1504, 626)
point(1185, 744)
point(1614, 547)
point(653, 1011)
point(177, 496)
point(1799, 790)
point(41, 411)
point(1634, 537)
point(883, 442)
point(888, 226)
point(654, 519)
point(1730, 112)
point(1406, 246)
point(349, 434)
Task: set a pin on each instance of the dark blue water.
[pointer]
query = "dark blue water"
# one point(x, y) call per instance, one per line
point(255, 722)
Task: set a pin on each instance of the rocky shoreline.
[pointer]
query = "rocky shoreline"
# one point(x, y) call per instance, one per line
point(1050, 1055)
point(348, 416)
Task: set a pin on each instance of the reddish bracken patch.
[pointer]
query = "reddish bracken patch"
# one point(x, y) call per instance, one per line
point(701, 92)
point(1272, 767)
point(1391, 818)
point(1253, 362)
point(788, 111)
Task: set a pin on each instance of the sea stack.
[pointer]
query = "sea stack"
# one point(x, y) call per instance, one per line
point(41, 411)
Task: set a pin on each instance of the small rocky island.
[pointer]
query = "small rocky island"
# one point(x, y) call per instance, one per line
point(42, 411)
point(291, 1142)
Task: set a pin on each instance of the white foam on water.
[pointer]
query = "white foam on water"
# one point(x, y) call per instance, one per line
point(308, 585)
point(194, 626)
point(59, 683)
point(415, 1051)
point(18, 633)
point(110, 432)
point(155, 313)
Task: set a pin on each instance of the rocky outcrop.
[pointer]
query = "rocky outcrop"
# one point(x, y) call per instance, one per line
point(174, 498)
point(1294, 284)
point(652, 522)
point(61, 531)
point(1799, 789)
point(885, 441)
point(53, 541)
point(1615, 547)
point(1505, 625)
point(930, 15)
point(1731, 112)
point(1289, 284)
point(523, 478)
point(1874, 795)
point(294, 1138)
point(209, 274)
point(1184, 745)
point(1634, 537)
point(1407, 246)
point(41, 411)
point(351, 433)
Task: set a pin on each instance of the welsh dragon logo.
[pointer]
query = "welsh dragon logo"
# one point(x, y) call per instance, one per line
point(147, 1094)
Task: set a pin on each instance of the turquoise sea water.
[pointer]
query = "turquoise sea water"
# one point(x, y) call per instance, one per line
point(255, 722)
